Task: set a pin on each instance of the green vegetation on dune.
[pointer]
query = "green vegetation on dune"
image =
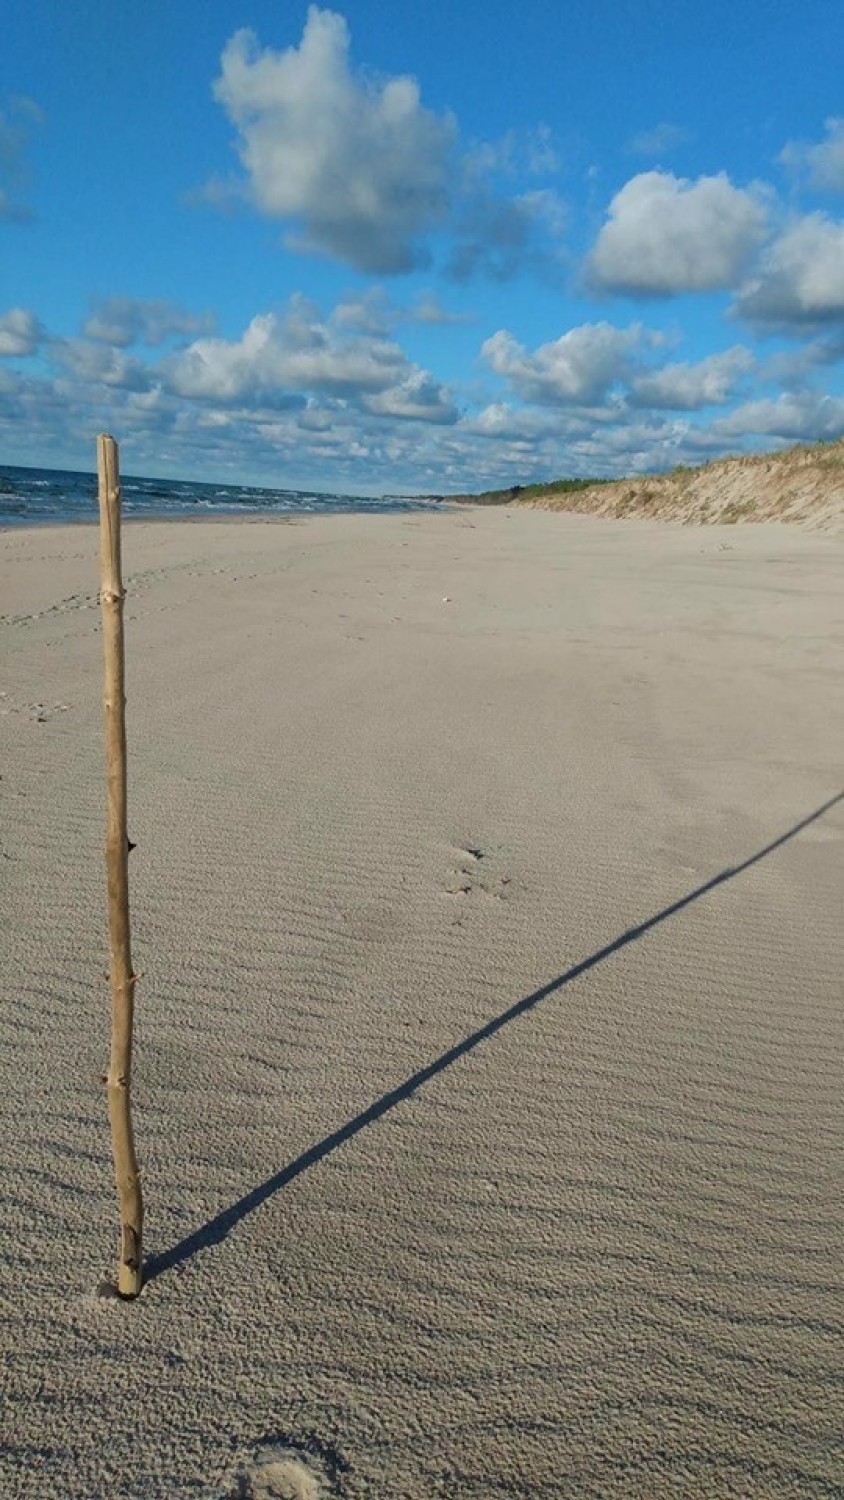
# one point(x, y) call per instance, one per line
point(530, 491)
point(803, 484)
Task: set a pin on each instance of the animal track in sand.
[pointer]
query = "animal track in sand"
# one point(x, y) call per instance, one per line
point(479, 872)
point(41, 713)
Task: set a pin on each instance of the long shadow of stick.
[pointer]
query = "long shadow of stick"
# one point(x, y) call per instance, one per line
point(215, 1230)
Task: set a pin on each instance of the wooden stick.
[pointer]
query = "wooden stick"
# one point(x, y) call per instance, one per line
point(118, 1080)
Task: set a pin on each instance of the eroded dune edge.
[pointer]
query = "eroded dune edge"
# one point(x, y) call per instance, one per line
point(801, 486)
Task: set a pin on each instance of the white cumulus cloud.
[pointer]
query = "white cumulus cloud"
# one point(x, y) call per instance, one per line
point(127, 320)
point(796, 416)
point(801, 277)
point(281, 360)
point(501, 420)
point(94, 363)
point(665, 235)
point(577, 368)
point(417, 396)
point(688, 387)
point(794, 367)
point(823, 163)
point(360, 166)
point(20, 332)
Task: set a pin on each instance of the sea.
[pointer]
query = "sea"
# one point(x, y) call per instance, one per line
point(41, 496)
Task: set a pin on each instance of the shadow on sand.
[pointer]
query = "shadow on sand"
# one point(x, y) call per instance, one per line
point(215, 1230)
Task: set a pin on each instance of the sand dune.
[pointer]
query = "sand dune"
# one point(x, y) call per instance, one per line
point(490, 1040)
point(802, 486)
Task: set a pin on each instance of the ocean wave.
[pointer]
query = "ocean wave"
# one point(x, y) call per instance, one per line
point(51, 496)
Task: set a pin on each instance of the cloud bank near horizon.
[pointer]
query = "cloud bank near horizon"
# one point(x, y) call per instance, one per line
point(361, 174)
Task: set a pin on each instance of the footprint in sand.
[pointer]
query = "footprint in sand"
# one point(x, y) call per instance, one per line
point(479, 871)
point(281, 1479)
point(288, 1473)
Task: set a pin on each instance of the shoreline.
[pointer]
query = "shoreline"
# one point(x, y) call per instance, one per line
point(828, 528)
point(271, 518)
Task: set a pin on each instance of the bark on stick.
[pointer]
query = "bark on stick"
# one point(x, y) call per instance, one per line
point(118, 1080)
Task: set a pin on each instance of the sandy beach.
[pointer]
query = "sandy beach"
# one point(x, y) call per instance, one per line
point(490, 1049)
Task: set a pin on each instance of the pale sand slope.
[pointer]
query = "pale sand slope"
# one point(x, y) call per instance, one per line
point(803, 486)
point(449, 1198)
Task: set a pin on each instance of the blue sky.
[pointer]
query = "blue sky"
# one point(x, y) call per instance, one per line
point(413, 248)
